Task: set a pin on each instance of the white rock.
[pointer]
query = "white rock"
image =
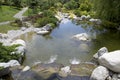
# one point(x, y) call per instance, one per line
point(99, 73)
point(5, 65)
point(13, 63)
point(42, 32)
point(20, 49)
point(26, 68)
point(23, 28)
point(100, 52)
point(97, 21)
point(82, 37)
point(66, 69)
point(111, 60)
point(19, 41)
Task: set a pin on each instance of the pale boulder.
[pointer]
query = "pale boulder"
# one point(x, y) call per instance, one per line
point(13, 63)
point(82, 37)
point(26, 68)
point(99, 73)
point(111, 60)
point(20, 42)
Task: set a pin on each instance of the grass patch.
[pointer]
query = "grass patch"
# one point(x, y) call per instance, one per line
point(7, 13)
point(7, 27)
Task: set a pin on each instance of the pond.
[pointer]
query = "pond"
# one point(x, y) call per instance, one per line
point(59, 46)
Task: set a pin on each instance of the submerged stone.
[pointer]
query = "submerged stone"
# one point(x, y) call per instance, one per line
point(47, 71)
point(82, 69)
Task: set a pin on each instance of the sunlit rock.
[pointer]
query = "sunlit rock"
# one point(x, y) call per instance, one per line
point(13, 63)
point(100, 52)
point(82, 37)
point(99, 73)
point(42, 32)
point(111, 60)
point(19, 42)
point(65, 71)
point(96, 21)
point(26, 68)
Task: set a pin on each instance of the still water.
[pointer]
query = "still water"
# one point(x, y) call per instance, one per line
point(59, 46)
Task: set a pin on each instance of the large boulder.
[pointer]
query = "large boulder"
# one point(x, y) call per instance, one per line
point(82, 37)
point(100, 73)
point(19, 42)
point(111, 60)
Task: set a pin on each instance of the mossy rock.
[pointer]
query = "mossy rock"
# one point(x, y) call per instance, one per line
point(46, 71)
point(82, 69)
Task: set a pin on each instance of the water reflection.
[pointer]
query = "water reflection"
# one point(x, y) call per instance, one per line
point(59, 42)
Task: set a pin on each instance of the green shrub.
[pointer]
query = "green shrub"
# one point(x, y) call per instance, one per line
point(5, 51)
point(45, 20)
point(109, 25)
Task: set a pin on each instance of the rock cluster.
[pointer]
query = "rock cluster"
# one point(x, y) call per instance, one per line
point(88, 18)
point(109, 65)
point(44, 30)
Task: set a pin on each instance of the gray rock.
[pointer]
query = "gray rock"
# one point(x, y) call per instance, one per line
point(111, 60)
point(100, 52)
point(47, 27)
point(115, 77)
point(100, 73)
point(21, 50)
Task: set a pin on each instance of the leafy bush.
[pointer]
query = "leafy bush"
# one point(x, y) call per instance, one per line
point(109, 25)
point(5, 51)
point(48, 17)
point(45, 20)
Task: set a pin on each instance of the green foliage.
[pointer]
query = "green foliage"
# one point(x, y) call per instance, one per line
point(71, 5)
point(5, 51)
point(48, 17)
point(86, 6)
point(45, 20)
point(109, 25)
point(108, 10)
